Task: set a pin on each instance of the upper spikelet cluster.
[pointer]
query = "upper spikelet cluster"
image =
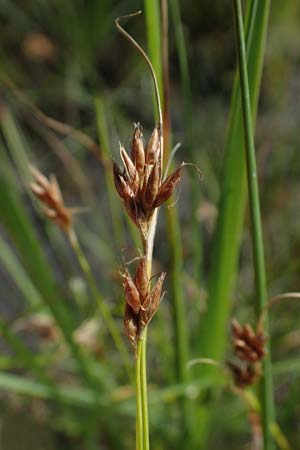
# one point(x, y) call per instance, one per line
point(140, 184)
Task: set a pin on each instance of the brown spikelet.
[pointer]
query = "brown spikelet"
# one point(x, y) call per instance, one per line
point(118, 176)
point(151, 303)
point(132, 173)
point(140, 184)
point(132, 296)
point(248, 345)
point(141, 305)
point(152, 186)
point(249, 352)
point(49, 193)
point(153, 147)
point(167, 188)
point(141, 279)
point(137, 150)
point(243, 375)
point(131, 325)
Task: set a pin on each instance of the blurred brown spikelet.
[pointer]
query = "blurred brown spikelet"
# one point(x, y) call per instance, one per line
point(141, 303)
point(49, 193)
point(243, 374)
point(248, 345)
point(249, 352)
point(140, 184)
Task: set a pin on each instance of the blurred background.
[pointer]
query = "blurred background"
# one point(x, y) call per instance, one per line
point(70, 89)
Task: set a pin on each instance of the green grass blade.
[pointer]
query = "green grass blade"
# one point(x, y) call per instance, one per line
point(267, 402)
point(15, 269)
point(232, 204)
point(153, 26)
point(189, 133)
point(115, 211)
point(233, 192)
point(66, 394)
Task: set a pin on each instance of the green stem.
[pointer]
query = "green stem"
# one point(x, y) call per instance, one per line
point(139, 407)
point(104, 310)
point(258, 247)
point(143, 374)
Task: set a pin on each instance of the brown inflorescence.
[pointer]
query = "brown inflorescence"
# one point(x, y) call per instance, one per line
point(249, 352)
point(141, 302)
point(49, 193)
point(140, 184)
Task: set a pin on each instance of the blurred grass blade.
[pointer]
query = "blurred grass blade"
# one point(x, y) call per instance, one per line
point(267, 402)
point(233, 192)
point(18, 147)
point(189, 135)
point(27, 359)
point(232, 203)
point(66, 394)
point(116, 217)
point(153, 26)
point(14, 268)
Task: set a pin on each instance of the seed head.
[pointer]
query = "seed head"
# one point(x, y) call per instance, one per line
point(243, 375)
point(248, 346)
point(140, 185)
point(141, 304)
point(49, 193)
point(249, 352)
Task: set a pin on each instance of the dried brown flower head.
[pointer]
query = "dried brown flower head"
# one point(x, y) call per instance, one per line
point(49, 193)
point(141, 302)
point(249, 352)
point(248, 345)
point(243, 374)
point(140, 184)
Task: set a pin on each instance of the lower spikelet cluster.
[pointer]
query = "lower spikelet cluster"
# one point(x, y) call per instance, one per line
point(141, 302)
point(249, 352)
point(140, 184)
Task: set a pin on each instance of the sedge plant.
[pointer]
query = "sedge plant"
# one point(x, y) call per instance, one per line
point(143, 188)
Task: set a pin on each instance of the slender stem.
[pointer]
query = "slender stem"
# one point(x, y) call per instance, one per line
point(104, 310)
point(142, 342)
point(258, 248)
point(139, 409)
point(145, 57)
point(143, 374)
